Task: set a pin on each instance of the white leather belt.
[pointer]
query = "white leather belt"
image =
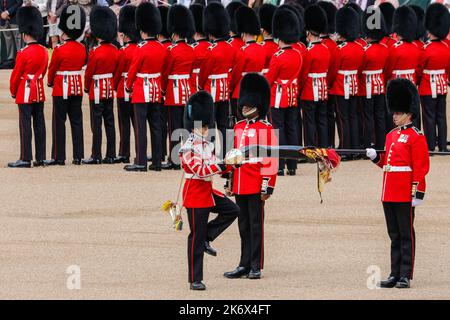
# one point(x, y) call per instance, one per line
point(218, 76)
point(389, 168)
point(102, 76)
point(148, 75)
point(65, 83)
point(126, 95)
point(433, 72)
point(315, 85)
point(348, 72)
point(194, 177)
point(26, 93)
point(69, 73)
point(264, 71)
point(317, 75)
point(372, 72)
point(124, 74)
point(403, 72)
point(196, 70)
point(178, 76)
point(96, 78)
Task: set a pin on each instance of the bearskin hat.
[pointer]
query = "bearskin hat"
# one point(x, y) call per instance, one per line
point(163, 12)
point(330, 10)
point(387, 10)
point(197, 13)
point(437, 20)
point(316, 20)
point(254, 91)
point(30, 22)
point(199, 109)
point(148, 19)
point(420, 15)
point(73, 28)
point(216, 21)
point(405, 23)
point(359, 11)
point(265, 13)
point(103, 23)
point(347, 23)
point(374, 32)
point(247, 21)
point(402, 96)
point(127, 22)
point(231, 10)
point(180, 21)
point(285, 25)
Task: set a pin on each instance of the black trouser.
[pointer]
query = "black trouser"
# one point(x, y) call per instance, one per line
point(175, 120)
point(202, 230)
point(400, 226)
point(347, 116)
point(315, 125)
point(222, 113)
point(164, 130)
point(300, 123)
point(374, 122)
point(150, 112)
point(103, 111)
point(61, 109)
point(331, 117)
point(251, 230)
point(26, 112)
point(125, 112)
point(285, 121)
point(434, 115)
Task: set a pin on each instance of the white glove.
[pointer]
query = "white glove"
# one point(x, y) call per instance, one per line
point(416, 202)
point(234, 157)
point(371, 153)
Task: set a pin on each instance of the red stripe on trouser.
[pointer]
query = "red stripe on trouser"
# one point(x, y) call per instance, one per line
point(192, 245)
point(262, 235)
point(412, 242)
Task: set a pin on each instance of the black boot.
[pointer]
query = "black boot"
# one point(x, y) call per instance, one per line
point(19, 164)
point(291, 172)
point(54, 162)
point(280, 172)
point(39, 163)
point(76, 162)
point(198, 286)
point(403, 283)
point(167, 166)
point(91, 161)
point(153, 167)
point(108, 160)
point(237, 273)
point(121, 159)
point(388, 283)
point(255, 274)
point(210, 250)
point(135, 168)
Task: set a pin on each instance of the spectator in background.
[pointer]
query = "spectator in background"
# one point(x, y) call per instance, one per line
point(12, 41)
point(54, 9)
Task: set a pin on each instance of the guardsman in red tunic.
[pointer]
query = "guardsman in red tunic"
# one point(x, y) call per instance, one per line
point(253, 183)
point(405, 165)
point(434, 67)
point(421, 32)
point(359, 11)
point(164, 38)
point(127, 28)
point(403, 59)
point(283, 78)
point(330, 10)
point(27, 87)
point(371, 84)
point(215, 71)
point(144, 84)
point(64, 76)
point(387, 10)
point(343, 77)
point(177, 73)
point(251, 57)
point(200, 45)
point(313, 80)
point(99, 83)
point(235, 36)
point(266, 12)
point(200, 164)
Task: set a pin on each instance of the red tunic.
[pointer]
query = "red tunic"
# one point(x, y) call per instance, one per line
point(331, 45)
point(177, 73)
point(405, 165)
point(300, 47)
point(100, 69)
point(434, 66)
point(389, 41)
point(214, 73)
point(313, 75)
point(270, 48)
point(258, 174)
point(236, 42)
point(26, 83)
point(200, 54)
point(402, 62)
point(64, 72)
point(343, 73)
point(371, 78)
point(283, 77)
point(127, 53)
point(200, 165)
point(250, 58)
point(144, 76)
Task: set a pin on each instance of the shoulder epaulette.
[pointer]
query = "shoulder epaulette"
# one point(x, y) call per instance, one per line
point(212, 46)
point(279, 53)
point(194, 44)
point(367, 46)
point(418, 131)
point(267, 123)
point(343, 44)
point(398, 43)
point(143, 43)
point(171, 46)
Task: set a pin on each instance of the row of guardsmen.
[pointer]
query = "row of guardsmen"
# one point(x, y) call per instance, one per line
point(337, 80)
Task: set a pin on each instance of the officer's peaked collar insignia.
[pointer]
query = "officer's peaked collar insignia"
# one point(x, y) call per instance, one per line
point(406, 126)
